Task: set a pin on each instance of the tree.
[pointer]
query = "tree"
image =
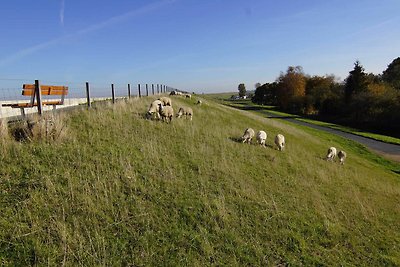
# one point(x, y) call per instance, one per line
point(257, 85)
point(392, 74)
point(266, 94)
point(292, 86)
point(242, 90)
point(318, 90)
point(356, 82)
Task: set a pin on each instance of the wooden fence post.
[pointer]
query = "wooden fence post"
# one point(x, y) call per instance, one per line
point(88, 95)
point(38, 93)
point(158, 89)
point(152, 88)
point(147, 89)
point(138, 86)
point(113, 93)
point(129, 90)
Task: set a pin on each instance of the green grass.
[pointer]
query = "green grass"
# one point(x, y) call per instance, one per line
point(128, 191)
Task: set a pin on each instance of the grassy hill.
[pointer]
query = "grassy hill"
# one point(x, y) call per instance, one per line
point(121, 190)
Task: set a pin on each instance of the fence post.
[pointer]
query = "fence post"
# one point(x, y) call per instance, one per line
point(152, 88)
point(38, 93)
point(147, 89)
point(158, 90)
point(138, 86)
point(88, 95)
point(113, 93)
point(129, 90)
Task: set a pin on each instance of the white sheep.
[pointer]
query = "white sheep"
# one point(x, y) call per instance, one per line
point(154, 109)
point(331, 154)
point(199, 102)
point(342, 156)
point(261, 137)
point(280, 141)
point(166, 101)
point(188, 96)
point(166, 112)
point(248, 135)
point(185, 111)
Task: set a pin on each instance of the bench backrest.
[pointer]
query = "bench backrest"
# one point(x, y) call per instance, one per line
point(29, 90)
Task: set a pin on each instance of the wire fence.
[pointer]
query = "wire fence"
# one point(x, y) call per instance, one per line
point(11, 93)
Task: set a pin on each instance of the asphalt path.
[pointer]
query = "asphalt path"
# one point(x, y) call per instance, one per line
point(392, 151)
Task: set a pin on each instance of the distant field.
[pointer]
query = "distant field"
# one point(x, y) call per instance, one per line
point(122, 190)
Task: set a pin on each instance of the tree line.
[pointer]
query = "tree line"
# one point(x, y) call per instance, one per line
point(364, 100)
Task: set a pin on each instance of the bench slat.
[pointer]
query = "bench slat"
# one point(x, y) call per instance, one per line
point(29, 92)
point(19, 105)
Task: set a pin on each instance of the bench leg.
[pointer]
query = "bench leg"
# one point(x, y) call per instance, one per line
point(23, 112)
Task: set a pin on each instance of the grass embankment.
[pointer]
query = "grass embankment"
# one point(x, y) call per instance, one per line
point(224, 98)
point(122, 190)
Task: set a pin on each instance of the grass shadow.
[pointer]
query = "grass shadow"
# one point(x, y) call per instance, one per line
point(236, 139)
point(396, 172)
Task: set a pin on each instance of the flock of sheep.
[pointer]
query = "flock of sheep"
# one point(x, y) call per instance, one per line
point(162, 109)
point(331, 155)
point(261, 137)
point(280, 143)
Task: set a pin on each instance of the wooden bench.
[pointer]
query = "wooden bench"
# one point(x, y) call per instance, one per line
point(36, 97)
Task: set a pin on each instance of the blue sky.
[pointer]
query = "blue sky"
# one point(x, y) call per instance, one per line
point(194, 45)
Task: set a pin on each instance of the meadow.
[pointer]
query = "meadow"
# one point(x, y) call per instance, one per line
point(117, 189)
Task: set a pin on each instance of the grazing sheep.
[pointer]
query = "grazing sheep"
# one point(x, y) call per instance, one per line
point(248, 135)
point(166, 101)
point(185, 111)
point(166, 112)
point(331, 154)
point(342, 156)
point(188, 96)
point(154, 109)
point(261, 137)
point(280, 141)
point(172, 93)
point(199, 102)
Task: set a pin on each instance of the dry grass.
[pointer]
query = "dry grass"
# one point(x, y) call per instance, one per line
point(49, 128)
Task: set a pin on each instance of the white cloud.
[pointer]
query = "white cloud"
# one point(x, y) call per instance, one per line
point(62, 12)
point(92, 28)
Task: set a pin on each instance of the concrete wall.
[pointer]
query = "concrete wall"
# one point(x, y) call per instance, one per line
point(6, 112)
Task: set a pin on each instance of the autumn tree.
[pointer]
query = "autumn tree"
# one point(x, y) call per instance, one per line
point(242, 90)
point(292, 85)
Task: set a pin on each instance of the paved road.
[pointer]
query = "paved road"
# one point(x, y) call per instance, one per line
point(392, 151)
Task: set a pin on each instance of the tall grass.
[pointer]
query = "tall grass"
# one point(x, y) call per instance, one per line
point(123, 190)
